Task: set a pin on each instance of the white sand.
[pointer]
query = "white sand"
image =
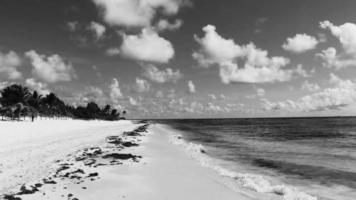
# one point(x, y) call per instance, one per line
point(165, 172)
point(28, 150)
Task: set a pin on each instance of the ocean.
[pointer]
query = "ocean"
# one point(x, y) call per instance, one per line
point(300, 158)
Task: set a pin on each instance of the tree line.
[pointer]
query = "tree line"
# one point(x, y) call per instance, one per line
point(17, 101)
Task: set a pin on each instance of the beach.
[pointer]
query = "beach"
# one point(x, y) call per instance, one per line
point(31, 152)
point(65, 159)
point(177, 100)
point(75, 159)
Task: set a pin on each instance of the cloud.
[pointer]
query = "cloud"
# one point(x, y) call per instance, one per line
point(212, 96)
point(312, 87)
point(164, 24)
point(217, 97)
point(230, 73)
point(97, 29)
point(195, 107)
point(259, 23)
point(161, 76)
point(301, 71)
point(132, 101)
point(300, 43)
point(115, 91)
point(97, 71)
point(165, 94)
point(341, 95)
point(346, 34)
point(147, 46)
point(260, 92)
point(8, 65)
point(225, 53)
point(142, 85)
point(41, 88)
point(50, 69)
point(191, 87)
point(3, 85)
point(215, 49)
point(331, 59)
point(322, 38)
point(137, 13)
point(112, 51)
point(86, 34)
point(73, 26)
point(90, 93)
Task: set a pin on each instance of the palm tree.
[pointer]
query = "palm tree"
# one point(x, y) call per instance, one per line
point(13, 99)
point(14, 94)
point(107, 109)
point(2, 112)
point(93, 109)
point(35, 100)
point(113, 112)
point(123, 114)
point(17, 100)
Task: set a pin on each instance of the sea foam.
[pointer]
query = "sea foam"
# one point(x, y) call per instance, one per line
point(254, 182)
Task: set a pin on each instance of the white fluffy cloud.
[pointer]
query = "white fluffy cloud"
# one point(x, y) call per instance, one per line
point(147, 46)
point(300, 43)
point(97, 29)
point(191, 87)
point(346, 34)
point(341, 95)
point(161, 76)
point(332, 59)
point(142, 85)
point(164, 24)
point(136, 13)
point(215, 49)
point(258, 67)
point(230, 73)
point(41, 88)
point(115, 91)
point(50, 69)
point(8, 65)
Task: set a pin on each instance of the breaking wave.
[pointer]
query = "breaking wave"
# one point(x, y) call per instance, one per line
point(254, 182)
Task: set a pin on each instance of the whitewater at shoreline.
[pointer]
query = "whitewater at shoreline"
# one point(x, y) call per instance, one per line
point(73, 159)
point(256, 186)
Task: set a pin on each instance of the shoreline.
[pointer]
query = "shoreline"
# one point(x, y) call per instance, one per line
point(118, 160)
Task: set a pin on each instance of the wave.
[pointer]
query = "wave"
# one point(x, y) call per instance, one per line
point(317, 173)
point(254, 182)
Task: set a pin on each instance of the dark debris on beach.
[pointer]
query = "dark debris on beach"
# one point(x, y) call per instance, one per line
point(90, 158)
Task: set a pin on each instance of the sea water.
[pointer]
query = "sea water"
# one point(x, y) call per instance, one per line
point(296, 158)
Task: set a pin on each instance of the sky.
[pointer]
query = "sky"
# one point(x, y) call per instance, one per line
point(186, 58)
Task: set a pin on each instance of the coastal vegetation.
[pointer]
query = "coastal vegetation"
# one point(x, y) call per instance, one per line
point(17, 101)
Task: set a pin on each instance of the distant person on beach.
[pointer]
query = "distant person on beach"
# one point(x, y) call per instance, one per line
point(32, 117)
